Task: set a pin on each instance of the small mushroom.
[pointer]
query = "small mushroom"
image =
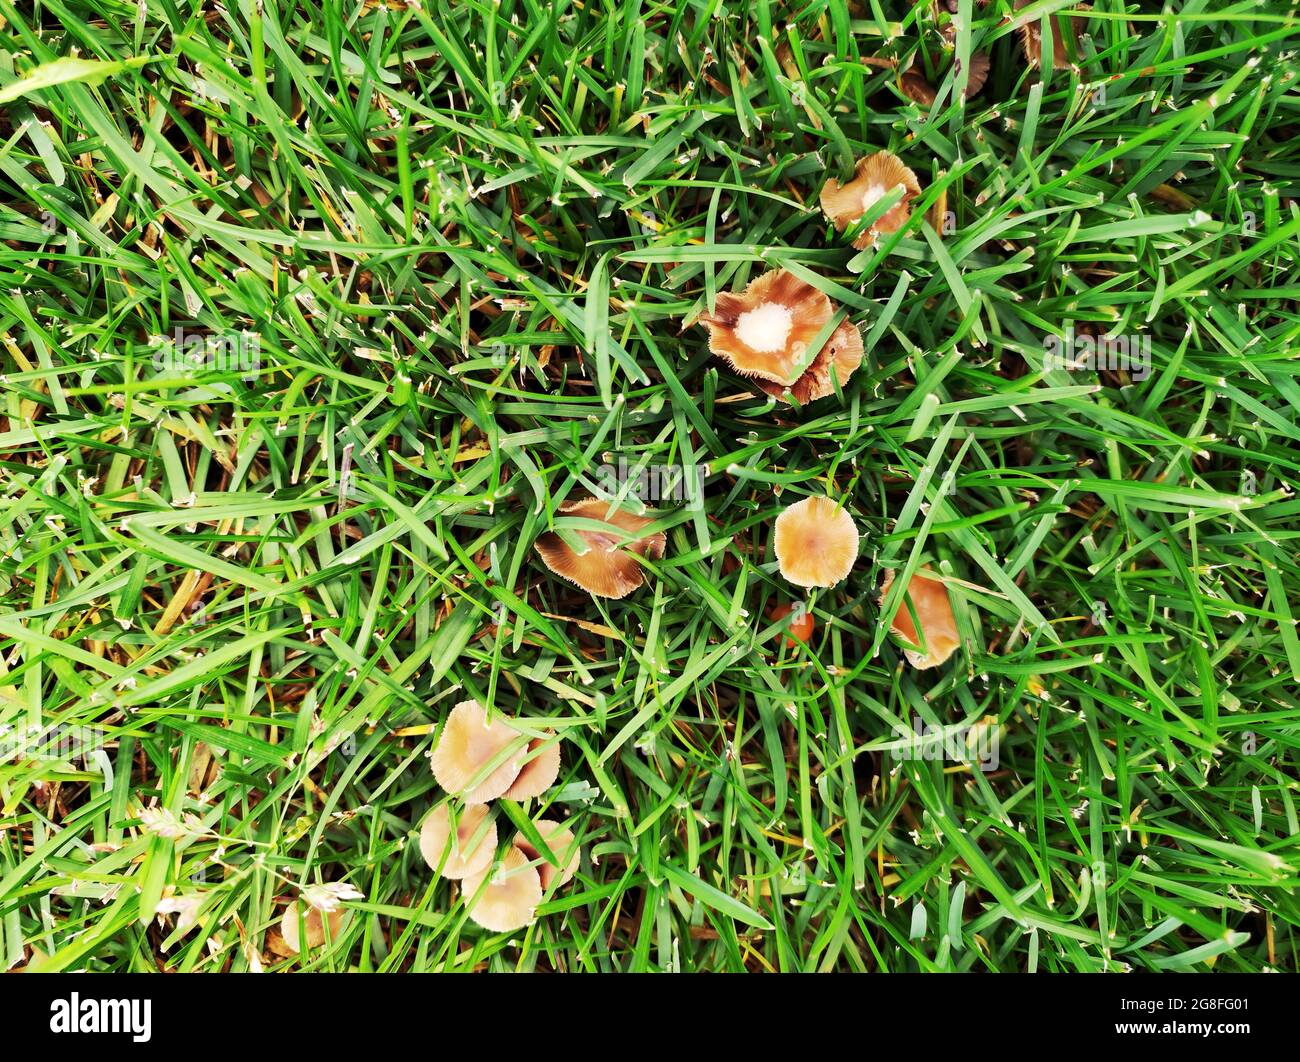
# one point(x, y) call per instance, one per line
point(509, 900)
point(1063, 26)
point(977, 74)
point(563, 846)
point(466, 851)
point(468, 744)
point(737, 332)
point(764, 331)
point(800, 628)
point(608, 567)
point(915, 87)
point(875, 177)
point(315, 924)
point(539, 773)
point(978, 69)
point(816, 542)
point(843, 351)
point(934, 609)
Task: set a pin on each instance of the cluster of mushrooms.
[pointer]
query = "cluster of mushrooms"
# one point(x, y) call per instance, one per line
point(916, 86)
point(790, 340)
point(479, 760)
point(766, 334)
point(816, 545)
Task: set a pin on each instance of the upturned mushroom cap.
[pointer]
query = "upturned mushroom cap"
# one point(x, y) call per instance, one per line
point(816, 542)
point(563, 846)
point(315, 924)
point(539, 773)
point(915, 87)
point(979, 66)
point(608, 568)
point(978, 73)
point(509, 900)
point(468, 744)
point(466, 851)
point(843, 350)
point(1071, 26)
point(876, 176)
point(764, 331)
point(934, 610)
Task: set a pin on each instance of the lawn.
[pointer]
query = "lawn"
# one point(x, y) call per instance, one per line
point(318, 318)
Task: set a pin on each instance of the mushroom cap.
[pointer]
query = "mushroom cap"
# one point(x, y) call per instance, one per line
point(608, 568)
point(1031, 37)
point(934, 610)
point(978, 70)
point(875, 176)
point(509, 900)
point(977, 74)
point(464, 855)
point(469, 743)
point(539, 773)
point(816, 542)
point(778, 307)
point(843, 350)
point(315, 923)
point(801, 629)
point(563, 846)
point(916, 88)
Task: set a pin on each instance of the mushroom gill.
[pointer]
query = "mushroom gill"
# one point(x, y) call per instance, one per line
point(1063, 26)
point(467, 850)
point(609, 567)
point(469, 743)
point(816, 542)
point(563, 846)
point(874, 178)
point(933, 608)
point(915, 86)
point(314, 921)
point(507, 901)
point(538, 774)
point(977, 74)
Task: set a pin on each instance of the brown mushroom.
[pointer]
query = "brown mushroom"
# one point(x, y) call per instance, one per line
point(915, 87)
point(468, 850)
point(1063, 26)
point(933, 608)
point(314, 921)
point(609, 567)
point(469, 743)
point(538, 774)
point(816, 542)
point(875, 177)
point(764, 331)
point(509, 900)
point(977, 74)
point(563, 846)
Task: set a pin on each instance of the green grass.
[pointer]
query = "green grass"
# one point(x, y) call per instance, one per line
point(468, 242)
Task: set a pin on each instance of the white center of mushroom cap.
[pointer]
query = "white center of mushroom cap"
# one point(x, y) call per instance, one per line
point(765, 328)
point(873, 195)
